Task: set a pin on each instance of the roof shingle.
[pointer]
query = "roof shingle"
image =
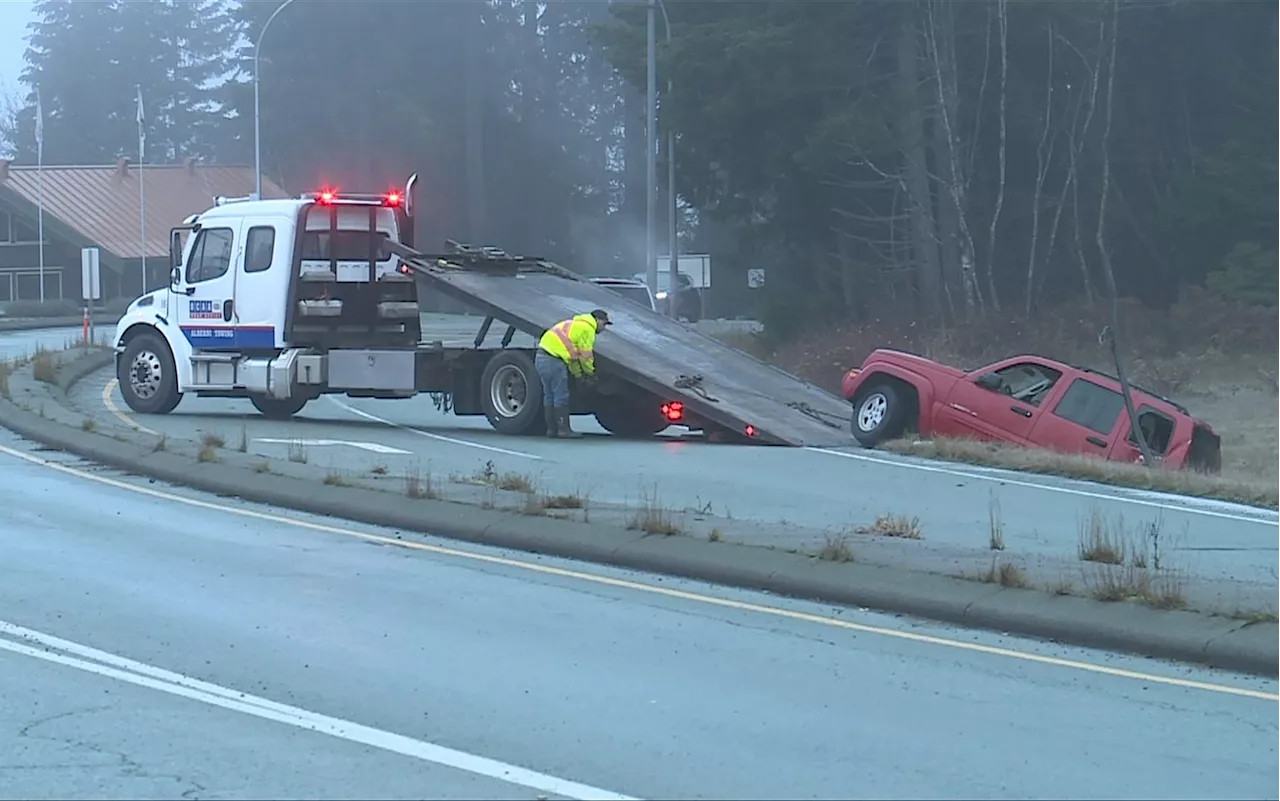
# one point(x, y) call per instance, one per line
point(101, 203)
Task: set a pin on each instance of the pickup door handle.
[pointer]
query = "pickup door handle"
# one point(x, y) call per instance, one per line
point(1101, 443)
point(1021, 411)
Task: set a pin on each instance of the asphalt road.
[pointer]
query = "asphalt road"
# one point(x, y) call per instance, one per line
point(475, 674)
point(812, 490)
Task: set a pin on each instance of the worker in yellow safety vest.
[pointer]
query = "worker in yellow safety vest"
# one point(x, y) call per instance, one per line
point(567, 348)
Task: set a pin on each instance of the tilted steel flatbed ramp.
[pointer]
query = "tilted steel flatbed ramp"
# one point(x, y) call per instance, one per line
point(675, 362)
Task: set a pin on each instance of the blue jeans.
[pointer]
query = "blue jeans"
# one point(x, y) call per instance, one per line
point(555, 379)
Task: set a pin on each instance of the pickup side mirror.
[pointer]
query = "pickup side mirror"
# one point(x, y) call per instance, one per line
point(989, 381)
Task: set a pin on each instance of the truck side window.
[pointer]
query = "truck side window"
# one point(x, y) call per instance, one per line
point(1157, 429)
point(260, 244)
point(1087, 404)
point(211, 256)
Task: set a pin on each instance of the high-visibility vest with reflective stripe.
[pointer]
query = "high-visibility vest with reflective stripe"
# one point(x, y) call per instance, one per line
point(573, 340)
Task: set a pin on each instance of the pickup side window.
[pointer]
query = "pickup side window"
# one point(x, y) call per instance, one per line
point(1157, 428)
point(211, 256)
point(1090, 405)
point(1027, 382)
point(260, 245)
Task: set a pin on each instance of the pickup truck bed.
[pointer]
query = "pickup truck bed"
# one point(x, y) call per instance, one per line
point(669, 359)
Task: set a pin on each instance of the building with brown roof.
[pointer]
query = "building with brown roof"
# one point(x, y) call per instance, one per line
point(99, 207)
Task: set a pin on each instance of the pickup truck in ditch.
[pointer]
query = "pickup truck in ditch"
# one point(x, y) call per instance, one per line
point(1023, 400)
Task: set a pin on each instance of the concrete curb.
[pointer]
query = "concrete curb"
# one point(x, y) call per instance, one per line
point(1252, 648)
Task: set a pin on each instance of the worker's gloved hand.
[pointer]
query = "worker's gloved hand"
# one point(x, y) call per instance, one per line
point(587, 381)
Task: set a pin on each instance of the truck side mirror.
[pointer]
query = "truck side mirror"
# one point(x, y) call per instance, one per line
point(989, 381)
point(175, 275)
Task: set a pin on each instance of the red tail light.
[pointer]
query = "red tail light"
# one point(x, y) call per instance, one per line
point(673, 411)
point(750, 430)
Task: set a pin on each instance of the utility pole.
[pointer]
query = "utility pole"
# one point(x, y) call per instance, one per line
point(651, 146)
point(257, 141)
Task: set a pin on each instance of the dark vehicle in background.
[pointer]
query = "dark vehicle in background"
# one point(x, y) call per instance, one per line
point(1023, 400)
point(688, 299)
point(637, 291)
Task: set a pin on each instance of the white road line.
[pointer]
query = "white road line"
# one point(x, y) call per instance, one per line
point(429, 435)
point(320, 443)
point(1114, 498)
point(143, 675)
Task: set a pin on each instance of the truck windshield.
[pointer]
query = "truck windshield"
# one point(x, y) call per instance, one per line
point(342, 245)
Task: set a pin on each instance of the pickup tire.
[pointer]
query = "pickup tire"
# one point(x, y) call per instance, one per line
point(879, 413)
point(511, 394)
point(148, 375)
point(629, 419)
point(278, 408)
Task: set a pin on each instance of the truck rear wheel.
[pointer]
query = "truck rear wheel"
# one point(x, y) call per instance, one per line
point(148, 376)
point(278, 408)
point(511, 394)
point(878, 414)
point(630, 419)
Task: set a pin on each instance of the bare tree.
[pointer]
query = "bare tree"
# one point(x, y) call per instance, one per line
point(1044, 159)
point(1003, 18)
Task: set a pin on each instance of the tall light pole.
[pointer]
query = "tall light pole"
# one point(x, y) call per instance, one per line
point(651, 146)
point(673, 249)
point(257, 120)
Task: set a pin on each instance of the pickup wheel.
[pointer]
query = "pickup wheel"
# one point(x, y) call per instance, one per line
point(511, 394)
point(631, 420)
point(878, 414)
point(278, 408)
point(148, 376)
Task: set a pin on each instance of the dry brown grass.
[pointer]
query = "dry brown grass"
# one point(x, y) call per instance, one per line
point(44, 366)
point(207, 454)
point(1101, 541)
point(652, 517)
point(836, 549)
point(336, 479)
point(900, 526)
point(213, 441)
point(6, 370)
point(995, 524)
point(1122, 474)
point(1006, 574)
point(418, 486)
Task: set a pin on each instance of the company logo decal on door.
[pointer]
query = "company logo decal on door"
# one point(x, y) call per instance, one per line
point(205, 310)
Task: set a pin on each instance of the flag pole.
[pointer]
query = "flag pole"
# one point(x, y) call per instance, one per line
point(142, 191)
point(40, 181)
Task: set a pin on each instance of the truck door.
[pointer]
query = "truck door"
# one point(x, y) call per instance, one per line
point(262, 283)
point(205, 315)
point(1006, 411)
point(1083, 421)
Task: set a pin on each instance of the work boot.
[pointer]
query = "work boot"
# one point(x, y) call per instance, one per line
point(565, 431)
point(550, 414)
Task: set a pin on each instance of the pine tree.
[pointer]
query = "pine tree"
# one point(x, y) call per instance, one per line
point(89, 60)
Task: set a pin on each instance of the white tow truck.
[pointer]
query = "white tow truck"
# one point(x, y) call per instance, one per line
point(281, 301)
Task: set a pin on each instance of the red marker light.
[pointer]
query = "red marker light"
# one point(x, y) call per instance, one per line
point(751, 430)
point(326, 196)
point(393, 198)
point(673, 411)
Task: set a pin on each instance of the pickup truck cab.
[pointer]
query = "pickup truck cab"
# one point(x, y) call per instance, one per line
point(1023, 400)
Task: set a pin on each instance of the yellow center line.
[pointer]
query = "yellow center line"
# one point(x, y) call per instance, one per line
point(111, 407)
point(651, 589)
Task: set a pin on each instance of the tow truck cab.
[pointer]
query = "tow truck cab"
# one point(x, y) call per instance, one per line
point(275, 300)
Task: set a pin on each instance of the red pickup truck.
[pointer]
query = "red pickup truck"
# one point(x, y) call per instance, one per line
point(1024, 400)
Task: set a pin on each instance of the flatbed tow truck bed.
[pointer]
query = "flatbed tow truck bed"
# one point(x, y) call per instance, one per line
point(715, 382)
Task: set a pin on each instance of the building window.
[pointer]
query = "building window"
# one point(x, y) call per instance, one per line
point(16, 231)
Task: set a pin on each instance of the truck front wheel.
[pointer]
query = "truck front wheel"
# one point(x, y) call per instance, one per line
point(278, 408)
point(878, 414)
point(147, 375)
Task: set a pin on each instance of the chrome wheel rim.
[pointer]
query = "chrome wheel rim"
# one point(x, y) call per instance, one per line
point(872, 411)
point(508, 391)
point(145, 373)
